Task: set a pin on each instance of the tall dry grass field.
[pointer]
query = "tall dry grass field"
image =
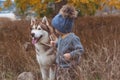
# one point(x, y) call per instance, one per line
point(100, 37)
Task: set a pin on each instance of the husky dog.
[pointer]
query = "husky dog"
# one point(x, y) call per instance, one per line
point(41, 33)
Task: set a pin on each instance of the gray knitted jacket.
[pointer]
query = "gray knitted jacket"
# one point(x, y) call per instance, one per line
point(70, 44)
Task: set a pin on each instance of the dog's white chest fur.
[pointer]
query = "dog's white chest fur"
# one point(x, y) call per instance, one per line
point(42, 56)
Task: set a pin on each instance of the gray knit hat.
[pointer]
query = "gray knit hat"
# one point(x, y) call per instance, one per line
point(64, 20)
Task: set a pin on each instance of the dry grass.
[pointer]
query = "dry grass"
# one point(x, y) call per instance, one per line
point(99, 36)
point(14, 57)
point(101, 39)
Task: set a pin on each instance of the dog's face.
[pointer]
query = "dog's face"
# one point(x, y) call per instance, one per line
point(40, 31)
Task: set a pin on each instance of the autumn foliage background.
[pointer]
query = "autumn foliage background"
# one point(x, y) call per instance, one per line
point(50, 7)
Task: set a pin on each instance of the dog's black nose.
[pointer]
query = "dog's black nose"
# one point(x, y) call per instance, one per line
point(32, 34)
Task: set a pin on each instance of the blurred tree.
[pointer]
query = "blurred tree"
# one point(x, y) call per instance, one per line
point(89, 7)
point(41, 7)
point(114, 3)
point(46, 7)
point(0, 8)
point(7, 3)
point(85, 7)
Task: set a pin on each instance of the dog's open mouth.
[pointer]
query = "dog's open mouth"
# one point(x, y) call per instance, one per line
point(35, 40)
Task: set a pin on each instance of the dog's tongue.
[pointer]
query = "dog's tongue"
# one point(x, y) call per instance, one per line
point(34, 41)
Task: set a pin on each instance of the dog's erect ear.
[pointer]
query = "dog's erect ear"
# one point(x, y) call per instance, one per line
point(44, 20)
point(32, 21)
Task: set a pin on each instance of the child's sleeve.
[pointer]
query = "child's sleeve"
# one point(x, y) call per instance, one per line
point(56, 45)
point(78, 48)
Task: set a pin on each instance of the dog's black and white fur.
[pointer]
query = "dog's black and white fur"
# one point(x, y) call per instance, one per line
point(41, 33)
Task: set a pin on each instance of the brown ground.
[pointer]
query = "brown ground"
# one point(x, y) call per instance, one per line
point(100, 37)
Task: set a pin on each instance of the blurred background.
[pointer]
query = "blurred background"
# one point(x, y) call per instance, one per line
point(97, 25)
point(25, 9)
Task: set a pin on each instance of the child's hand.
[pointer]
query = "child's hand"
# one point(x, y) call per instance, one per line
point(53, 43)
point(67, 56)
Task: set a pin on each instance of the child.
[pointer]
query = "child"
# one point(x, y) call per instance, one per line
point(69, 47)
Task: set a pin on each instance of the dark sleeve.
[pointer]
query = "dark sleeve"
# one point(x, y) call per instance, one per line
point(78, 48)
point(56, 45)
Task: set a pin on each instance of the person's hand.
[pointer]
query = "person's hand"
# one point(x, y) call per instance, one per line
point(67, 56)
point(53, 43)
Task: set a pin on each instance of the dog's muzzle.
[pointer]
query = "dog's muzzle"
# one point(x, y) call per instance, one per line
point(32, 34)
point(35, 39)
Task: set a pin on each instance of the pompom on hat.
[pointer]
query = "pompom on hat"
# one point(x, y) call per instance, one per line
point(64, 20)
